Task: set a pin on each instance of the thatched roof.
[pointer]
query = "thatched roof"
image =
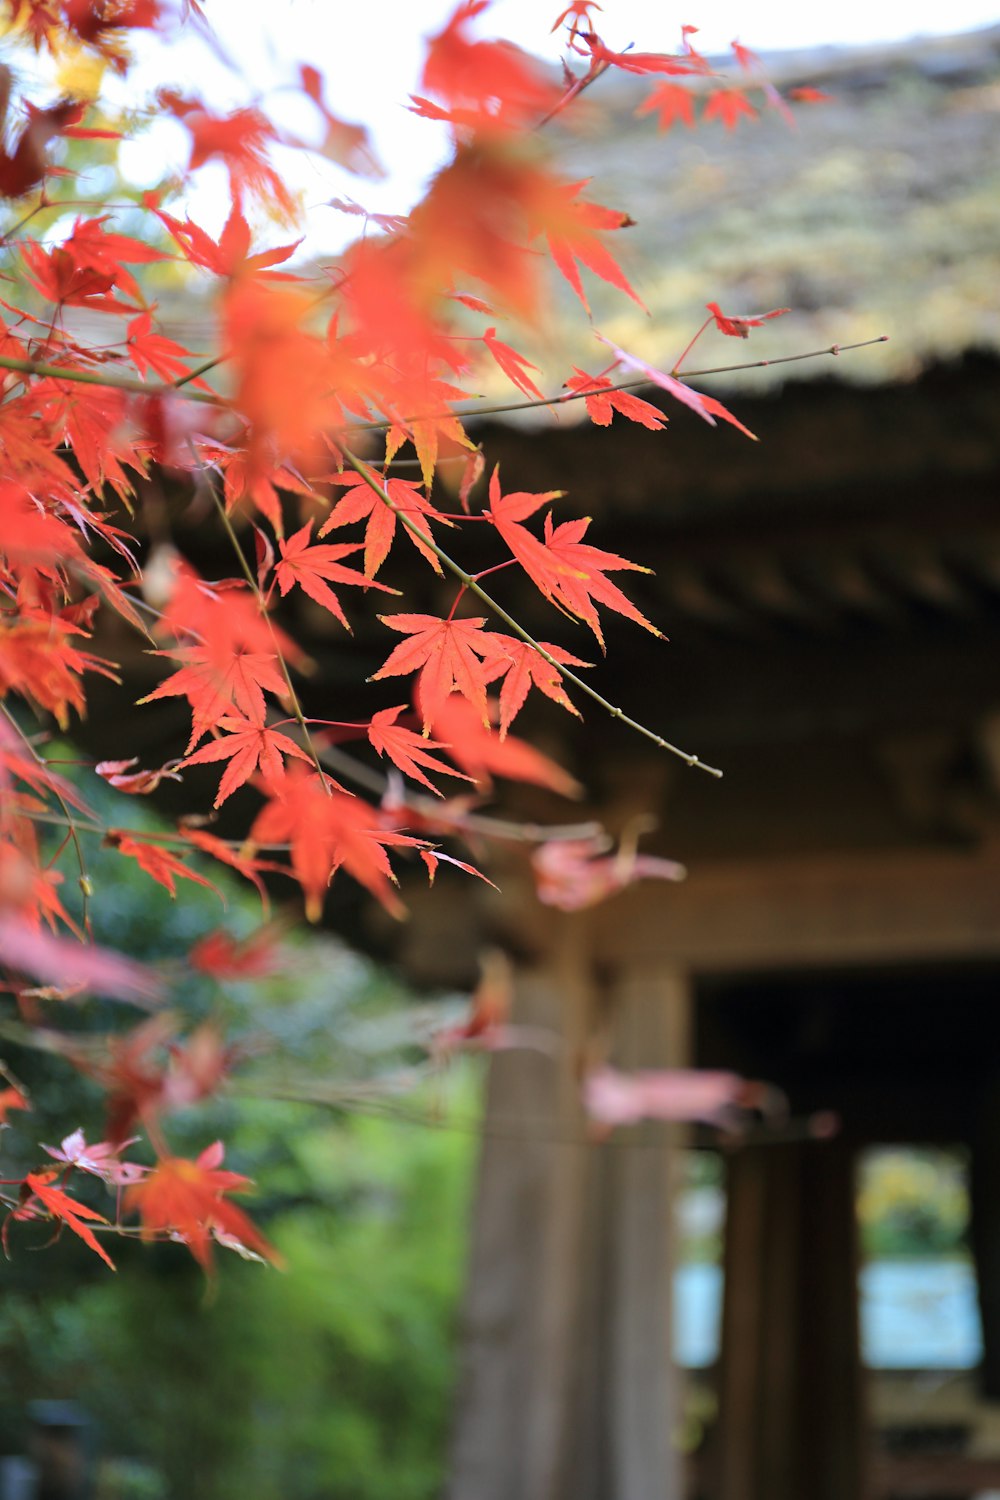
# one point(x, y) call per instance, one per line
point(879, 212)
point(876, 212)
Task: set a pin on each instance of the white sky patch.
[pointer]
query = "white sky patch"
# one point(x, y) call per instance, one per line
point(371, 54)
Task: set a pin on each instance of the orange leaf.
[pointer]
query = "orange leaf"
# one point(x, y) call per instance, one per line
point(522, 668)
point(11, 1098)
point(68, 1210)
point(187, 1198)
point(446, 653)
point(360, 500)
point(248, 745)
point(309, 567)
point(728, 105)
point(669, 102)
point(407, 750)
point(567, 570)
point(216, 680)
point(164, 867)
point(328, 829)
point(602, 401)
point(514, 365)
point(482, 753)
point(706, 406)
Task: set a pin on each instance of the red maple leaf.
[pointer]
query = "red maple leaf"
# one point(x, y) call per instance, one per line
point(68, 965)
point(576, 873)
point(728, 105)
point(805, 94)
point(448, 656)
point(486, 84)
point(602, 401)
point(248, 745)
point(229, 256)
point(576, 14)
point(240, 140)
point(186, 1198)
point(360, 500)
point(747, 60)
point(154, 351)
point(120, 775)
point(481, 752)
point(96, 23)
point(309, 567)
point(582, 582)
point(407, 750)
point(216, 680)
point(37, 661)
point(522, 668)
point(567, 570)
point(572, 227)
point(328, 829)
point(514, 365)
point(643, 62)
point(11, 1098)
point(64, 1208)
point(26, 164)
point(706, 406)
point(225, 957)
point(250, 868)
point(225, 617)
point(738, 326)
point(669, 102)
point(165, 868)
point(347, 144)
point(433, 857)
point(88, 265)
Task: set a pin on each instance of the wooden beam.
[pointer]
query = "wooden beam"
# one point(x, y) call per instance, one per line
point(865, 907)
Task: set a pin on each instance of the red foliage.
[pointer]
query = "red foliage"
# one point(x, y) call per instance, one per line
point(391, 338)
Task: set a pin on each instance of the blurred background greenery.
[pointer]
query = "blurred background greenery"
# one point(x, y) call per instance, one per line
point(331, 1378)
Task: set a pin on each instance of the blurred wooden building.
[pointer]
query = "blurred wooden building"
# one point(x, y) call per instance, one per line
point(832, 597)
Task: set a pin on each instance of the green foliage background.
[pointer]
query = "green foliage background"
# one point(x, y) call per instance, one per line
point(330, 1379)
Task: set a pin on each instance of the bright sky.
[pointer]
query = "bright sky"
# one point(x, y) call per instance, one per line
point(370, 52)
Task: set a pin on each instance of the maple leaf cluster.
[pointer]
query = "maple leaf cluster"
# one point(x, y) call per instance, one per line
point(326, 381)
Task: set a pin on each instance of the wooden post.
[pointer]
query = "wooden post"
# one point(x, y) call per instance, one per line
point(985, 1237)
point(791, 1398)
point(566, 1390)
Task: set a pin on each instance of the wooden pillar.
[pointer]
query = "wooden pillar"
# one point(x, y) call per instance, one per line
point(791, 1420)
point(985, 1226)
point(565, 1387)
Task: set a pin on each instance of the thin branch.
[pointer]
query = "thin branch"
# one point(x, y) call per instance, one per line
point(621, 385)
point(181, 389)
point(468, 580)
point(117, 383)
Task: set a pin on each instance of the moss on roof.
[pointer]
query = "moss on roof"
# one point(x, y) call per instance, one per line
point(878, 212)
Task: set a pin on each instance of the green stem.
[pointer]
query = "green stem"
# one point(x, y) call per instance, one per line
point(118, 383)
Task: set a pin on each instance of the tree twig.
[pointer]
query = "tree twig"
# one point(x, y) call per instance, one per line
point(468, 580)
